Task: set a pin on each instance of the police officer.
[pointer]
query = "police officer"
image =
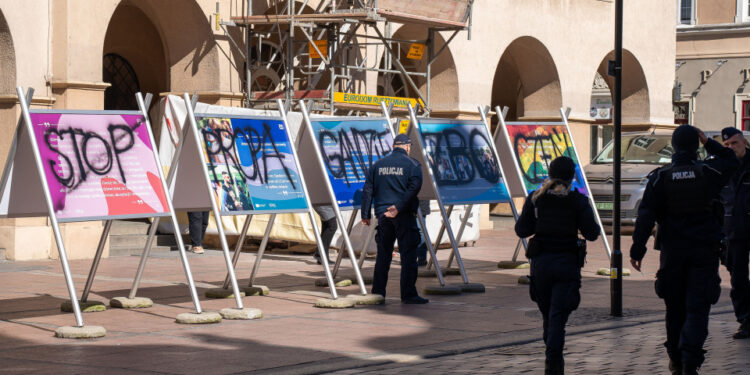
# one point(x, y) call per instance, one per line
point(392, 184)
point(681, 197)
point(555, 214)
point(736, 199)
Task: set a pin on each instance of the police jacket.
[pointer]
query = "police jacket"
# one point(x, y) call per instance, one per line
point(682, 198)
point(736, 200)
point(393, 180)
point(555, 220)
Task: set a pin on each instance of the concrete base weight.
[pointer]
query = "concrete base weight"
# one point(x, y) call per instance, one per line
point(367, 279)
point(256, 290)
point(338, 282)
point(85, 332)
point(606, 272)
point(471, 287)
point(202, 318)
point(130, 303)
point(511, 265)
point(241, 314)
point(221, 293)
point(367, 299)
point(451, 271)
point(442, 290)
point(524, 280)
point(330, 303)
point(88, 306)
point(424, 272)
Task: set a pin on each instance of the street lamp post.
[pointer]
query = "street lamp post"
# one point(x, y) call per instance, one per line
point(616, 260)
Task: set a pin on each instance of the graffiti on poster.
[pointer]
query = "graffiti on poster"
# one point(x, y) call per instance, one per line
point(99, 165)
point(250, 164)
point(350, 147)
point(535, 146)
point(462, 161)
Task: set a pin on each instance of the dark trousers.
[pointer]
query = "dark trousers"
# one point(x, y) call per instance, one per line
point(688, 282)
point(555, 287)
point(198, 222)
point(737, 264)
point(327, 230)
point(404, 229)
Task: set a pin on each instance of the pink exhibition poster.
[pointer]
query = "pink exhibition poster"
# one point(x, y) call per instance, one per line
point(99, 165)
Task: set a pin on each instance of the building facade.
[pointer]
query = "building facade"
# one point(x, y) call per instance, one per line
point(533, 56)
point(713, 64)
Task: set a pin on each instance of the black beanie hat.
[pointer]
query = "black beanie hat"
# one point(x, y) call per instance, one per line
point(685, 138)
point(562, 168)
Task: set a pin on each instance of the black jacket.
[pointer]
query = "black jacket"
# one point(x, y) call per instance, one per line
point(736, 200)
point(678, 230)
point(393, 180)
point(581, 213)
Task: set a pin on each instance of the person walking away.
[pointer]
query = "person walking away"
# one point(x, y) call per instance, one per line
point(682, 197)
point(554, 214)
point(392, 185)
point(736, 200)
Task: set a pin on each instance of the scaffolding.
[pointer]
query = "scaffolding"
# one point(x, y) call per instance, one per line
point(297, 52)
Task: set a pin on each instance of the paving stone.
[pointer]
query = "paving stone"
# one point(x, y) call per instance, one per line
point(256, 290)
point(241, 314)
point(85, 332)
point(130, 303)
point(339, 303)
point(202, 318)
point(367, 299)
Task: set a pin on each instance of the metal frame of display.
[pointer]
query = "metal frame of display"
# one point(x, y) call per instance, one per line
point(503, 127)
point(19, 133)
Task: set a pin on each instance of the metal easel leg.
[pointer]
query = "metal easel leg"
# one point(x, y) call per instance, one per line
point(349, 228)
point(262, 249)
point(238, 248)
point(368, 240)
point(467, 215)
point(144, 256)
point(97, 258)
point(428, 243)
point(440, 234)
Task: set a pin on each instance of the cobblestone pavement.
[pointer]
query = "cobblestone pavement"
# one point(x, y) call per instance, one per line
point(627, 350)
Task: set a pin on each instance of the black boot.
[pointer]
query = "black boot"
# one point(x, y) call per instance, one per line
point(554, 367)
point(675, 367)
point(744, 331)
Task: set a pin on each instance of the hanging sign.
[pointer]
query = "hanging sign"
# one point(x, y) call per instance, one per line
point(416, 51)
point(322, 46)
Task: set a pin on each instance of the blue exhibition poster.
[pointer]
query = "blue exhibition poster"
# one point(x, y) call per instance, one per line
point(350, 147)
point(250, 164)
point(462, 162)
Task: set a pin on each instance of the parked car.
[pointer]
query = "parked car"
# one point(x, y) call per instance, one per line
point(642, 152)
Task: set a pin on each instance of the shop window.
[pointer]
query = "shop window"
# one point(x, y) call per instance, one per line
point(118, 72)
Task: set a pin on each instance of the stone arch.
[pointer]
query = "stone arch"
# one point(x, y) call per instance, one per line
point(7, 59)
point(444, 90)
point(180, 37)
point(133, 38)
point(526, 81)
point(7, 88)
point(636, 108)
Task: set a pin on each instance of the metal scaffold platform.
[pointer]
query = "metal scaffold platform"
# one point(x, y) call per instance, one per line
point(322, 51)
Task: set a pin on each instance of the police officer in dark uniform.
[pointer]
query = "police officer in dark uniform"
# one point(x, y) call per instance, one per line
point(555, 214)
point(736, 199)
point(682, 197)
point(392, 184)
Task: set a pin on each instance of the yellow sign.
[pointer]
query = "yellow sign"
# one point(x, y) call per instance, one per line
point(416, 50)
point(341, 97)
point(322, 46)
point(403, 126)
point(613, 273)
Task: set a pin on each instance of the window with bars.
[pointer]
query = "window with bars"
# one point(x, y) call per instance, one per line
point(746, 115)
point(118, 72)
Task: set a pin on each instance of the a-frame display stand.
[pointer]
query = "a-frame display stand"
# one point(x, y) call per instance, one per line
point(516, 183)
point(25, 192)
point(432, 191)
point(192, 152)
point(316, 170)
